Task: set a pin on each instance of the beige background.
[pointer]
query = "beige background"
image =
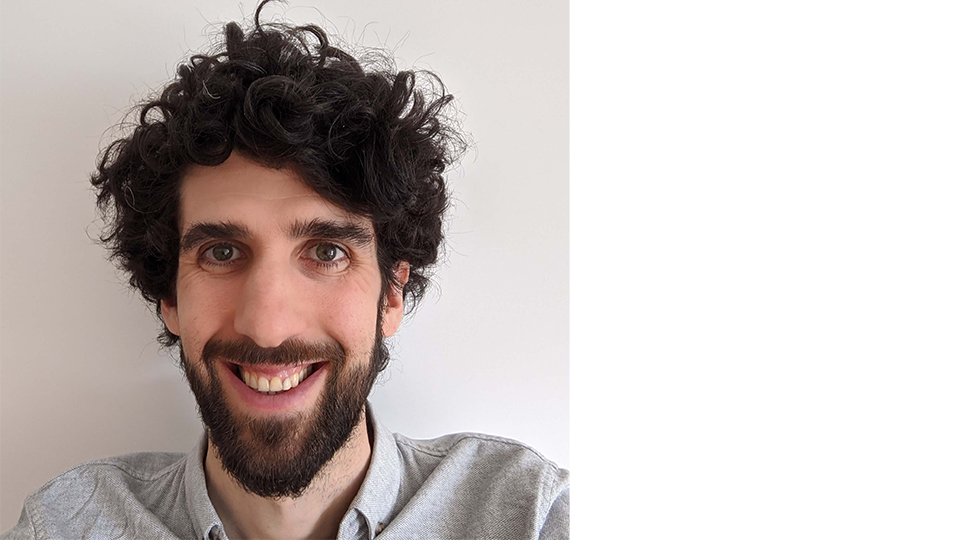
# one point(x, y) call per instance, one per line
point(81, 376)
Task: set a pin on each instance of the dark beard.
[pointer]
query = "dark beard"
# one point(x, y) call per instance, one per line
point(280, 457)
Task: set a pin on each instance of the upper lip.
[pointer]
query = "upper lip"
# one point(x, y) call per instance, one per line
point(271, 369)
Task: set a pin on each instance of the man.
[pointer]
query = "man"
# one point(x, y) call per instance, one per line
point(281, 206)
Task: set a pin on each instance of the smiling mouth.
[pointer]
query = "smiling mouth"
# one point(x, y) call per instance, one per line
point(271, 381)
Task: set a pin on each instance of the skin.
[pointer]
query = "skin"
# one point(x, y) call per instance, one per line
point(273, 289)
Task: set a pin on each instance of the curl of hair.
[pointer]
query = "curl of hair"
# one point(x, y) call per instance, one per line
point(375, 142)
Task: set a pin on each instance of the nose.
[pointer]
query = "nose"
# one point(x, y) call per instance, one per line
point(270, 309)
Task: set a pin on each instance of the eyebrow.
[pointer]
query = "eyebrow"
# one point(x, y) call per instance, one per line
point(331, 230)
point(201, 232)
point(316, 228)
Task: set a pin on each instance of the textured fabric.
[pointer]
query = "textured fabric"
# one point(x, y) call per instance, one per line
point(465, 485)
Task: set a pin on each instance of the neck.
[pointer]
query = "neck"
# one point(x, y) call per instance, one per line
point(315, 514)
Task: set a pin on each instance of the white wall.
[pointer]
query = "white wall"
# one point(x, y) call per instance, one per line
point(81, 376)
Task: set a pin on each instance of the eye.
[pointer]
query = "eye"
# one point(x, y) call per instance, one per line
point(222, 253)
point(326, 252)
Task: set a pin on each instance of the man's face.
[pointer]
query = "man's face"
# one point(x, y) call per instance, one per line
point(277, 289)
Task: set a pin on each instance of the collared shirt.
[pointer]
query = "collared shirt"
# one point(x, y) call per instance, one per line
point(465, 485)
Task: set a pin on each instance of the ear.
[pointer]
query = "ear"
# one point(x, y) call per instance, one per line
point(168, 311)
point(393, 300)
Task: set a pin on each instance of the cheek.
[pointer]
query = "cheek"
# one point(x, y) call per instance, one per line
point(347, 313)
point(204, 308)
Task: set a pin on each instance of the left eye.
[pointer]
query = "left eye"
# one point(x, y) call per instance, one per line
point(222, 253)
point(326, 252)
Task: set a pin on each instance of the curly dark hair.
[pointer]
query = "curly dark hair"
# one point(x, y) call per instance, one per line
point(373, 141)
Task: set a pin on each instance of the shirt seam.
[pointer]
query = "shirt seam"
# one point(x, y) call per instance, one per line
point(555, 495)
point(422, 450)
point(487, 438)
point(34, 520)
point(159, 474)
point(556, 491)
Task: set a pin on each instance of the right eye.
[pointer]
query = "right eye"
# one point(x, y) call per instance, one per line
point(221, 253)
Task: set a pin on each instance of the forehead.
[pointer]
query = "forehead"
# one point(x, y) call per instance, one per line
point(242, 190)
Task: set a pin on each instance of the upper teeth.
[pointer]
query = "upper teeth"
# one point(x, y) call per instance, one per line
point(274, 384)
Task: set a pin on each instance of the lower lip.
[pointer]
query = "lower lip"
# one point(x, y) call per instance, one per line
point(284, 401)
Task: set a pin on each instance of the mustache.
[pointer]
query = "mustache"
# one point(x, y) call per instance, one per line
point(292, 351)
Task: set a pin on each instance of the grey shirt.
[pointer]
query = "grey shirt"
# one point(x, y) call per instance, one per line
point(464, 485)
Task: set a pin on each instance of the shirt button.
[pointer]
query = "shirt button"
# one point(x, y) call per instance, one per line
point(379, 528)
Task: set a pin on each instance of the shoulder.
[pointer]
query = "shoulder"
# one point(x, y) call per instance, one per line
point(488, 485)
point(126, 471)
point(482, 454)
point(105, 494)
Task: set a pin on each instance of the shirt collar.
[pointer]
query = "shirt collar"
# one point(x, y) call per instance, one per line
point(201, 510)
point(378, 494)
